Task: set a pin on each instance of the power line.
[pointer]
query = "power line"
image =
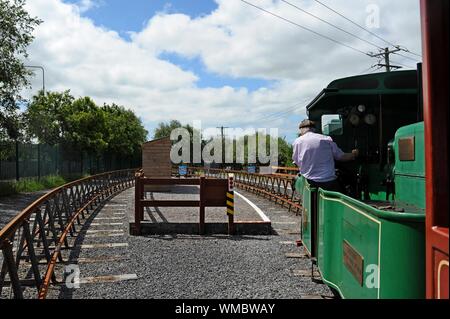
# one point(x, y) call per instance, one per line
point(305, 28)
point(281, 115)
point(293, 108)
point(395, 51)
point(366, 70)
point(361, 27)
point(406, 57)
point(331, 24)
point(355, 23)
point(410, 52)
point(404, 65)
point(278, 115)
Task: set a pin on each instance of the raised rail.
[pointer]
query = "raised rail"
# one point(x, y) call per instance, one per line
point(280, 189)
point(284, 171)
point(32, 242)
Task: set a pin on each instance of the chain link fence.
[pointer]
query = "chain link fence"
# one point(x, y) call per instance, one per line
point(22, 160)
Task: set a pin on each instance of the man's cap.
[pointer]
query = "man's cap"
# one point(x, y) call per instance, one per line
point(307, 123)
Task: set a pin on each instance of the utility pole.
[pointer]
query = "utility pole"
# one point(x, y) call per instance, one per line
point(222, 130)
point(385, 54)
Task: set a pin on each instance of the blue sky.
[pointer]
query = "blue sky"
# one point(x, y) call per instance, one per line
point(208, 79)
point(242, 48)
point(123, 16)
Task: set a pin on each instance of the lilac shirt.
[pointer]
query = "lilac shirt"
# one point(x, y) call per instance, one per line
point(315, 155)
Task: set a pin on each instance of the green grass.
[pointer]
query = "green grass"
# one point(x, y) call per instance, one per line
point(28, 185)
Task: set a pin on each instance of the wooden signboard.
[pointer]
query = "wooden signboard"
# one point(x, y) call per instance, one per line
point(156, 162)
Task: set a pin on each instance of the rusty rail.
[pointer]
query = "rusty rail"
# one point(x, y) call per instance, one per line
point(285, 171)
point(280, 189)
point(41, 231)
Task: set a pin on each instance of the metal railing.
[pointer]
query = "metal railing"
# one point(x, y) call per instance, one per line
point(280, 189)
point(32, 242)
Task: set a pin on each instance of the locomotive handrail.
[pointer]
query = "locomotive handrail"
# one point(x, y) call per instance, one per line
point(51, 220)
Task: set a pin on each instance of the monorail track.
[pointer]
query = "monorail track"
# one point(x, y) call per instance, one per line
point(43, 230)
point(84, 224)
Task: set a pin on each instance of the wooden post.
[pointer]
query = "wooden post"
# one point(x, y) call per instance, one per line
point(230, 204)
point(137, 205)
point(231, 230)
point(202, 205)
point(142, 196)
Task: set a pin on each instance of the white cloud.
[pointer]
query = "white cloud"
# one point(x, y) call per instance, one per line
point(86, 5)
point(235, 40)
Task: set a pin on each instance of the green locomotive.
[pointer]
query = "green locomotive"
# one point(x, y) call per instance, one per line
point(369, 242)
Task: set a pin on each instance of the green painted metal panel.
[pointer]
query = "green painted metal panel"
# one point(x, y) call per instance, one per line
point(390, 245)
point(416, 167)
point(410, 175)
point(306, 191)
point(338, 223)
point(369, 84)
point(410, 192)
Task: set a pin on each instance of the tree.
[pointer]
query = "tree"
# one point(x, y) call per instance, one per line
point(16, 27)
point(165, 129)
point(125, 132)
point(81, 126)
point(45, 116)
point(285, 152)
point(84, 126)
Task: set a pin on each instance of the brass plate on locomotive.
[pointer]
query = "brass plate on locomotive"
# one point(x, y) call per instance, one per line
point(354, 262)
point(407, 149)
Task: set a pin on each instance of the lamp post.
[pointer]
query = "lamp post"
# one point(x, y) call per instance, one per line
point(43, 74)
point(38, 146)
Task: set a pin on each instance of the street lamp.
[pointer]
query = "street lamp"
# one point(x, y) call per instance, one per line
point(38, 146)
point(43, 74)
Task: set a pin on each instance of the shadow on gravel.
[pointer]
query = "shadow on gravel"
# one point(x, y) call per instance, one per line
point(148, 210)
point(75, 249)
point(12, 205)
point(173, 237)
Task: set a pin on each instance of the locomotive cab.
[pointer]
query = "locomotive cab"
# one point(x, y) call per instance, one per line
point(361, 237)
point(364, 113)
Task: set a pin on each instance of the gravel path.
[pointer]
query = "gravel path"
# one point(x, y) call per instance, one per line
point(10, 206)
point(176, 266)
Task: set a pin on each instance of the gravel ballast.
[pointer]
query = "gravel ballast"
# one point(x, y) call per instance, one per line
point(188, 266)
point(12, 205)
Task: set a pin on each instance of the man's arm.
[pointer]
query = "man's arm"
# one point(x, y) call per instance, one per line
point(295, 158)
point(348, 157)
point(340, 156)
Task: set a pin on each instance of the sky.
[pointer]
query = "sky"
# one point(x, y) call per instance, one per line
point(223, 62)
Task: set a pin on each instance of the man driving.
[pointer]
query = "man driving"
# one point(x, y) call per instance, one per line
point(315, 154)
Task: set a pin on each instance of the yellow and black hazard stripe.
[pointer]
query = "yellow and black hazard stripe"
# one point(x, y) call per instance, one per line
point(230, 203)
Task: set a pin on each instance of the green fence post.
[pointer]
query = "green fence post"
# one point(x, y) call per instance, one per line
point(17, 160)
point(39, 161)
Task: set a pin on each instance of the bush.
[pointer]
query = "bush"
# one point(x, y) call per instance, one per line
point(52, 181)
point(29, 185)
